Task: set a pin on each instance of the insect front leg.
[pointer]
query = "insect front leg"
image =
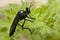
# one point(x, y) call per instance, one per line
point(30, 17)
point(29, 20)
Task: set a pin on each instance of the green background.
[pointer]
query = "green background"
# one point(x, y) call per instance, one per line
point(45, 27)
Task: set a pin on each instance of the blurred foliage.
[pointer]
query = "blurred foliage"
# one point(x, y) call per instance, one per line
point(45, 27)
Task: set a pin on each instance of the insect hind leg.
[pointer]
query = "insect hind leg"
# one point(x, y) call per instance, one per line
point(28, 29)
point(22, 26)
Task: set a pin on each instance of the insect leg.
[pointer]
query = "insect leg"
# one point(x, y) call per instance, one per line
point(22, 24)
point(25, 28)
point(28, 29)
point(19, 24)
point(30, 17)
point(29, 20)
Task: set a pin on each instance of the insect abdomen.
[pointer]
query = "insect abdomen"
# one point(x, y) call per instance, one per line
point(13, 26)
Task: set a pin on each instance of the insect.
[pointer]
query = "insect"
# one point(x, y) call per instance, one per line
point(21, 15)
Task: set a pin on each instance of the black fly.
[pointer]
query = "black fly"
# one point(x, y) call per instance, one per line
point(21, 15)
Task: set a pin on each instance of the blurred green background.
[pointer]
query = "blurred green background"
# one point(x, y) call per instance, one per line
point(45, 27)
